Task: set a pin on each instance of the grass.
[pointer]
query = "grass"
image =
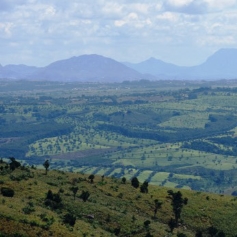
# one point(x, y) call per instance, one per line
point(113, 204)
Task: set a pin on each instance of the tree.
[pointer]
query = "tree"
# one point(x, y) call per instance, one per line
point(135, 182)
point(144, 187)
point(91, 178)
point(14, 164)
point(172, 224)
point(124, 180)
point(46, 166)
point(74, 190)
point(85, 195)
point(177, 203)
point(158, 205)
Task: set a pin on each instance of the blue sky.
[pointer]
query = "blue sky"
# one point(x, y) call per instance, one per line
point(184, 32)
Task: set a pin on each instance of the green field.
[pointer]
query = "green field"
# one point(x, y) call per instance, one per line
point(185, 131)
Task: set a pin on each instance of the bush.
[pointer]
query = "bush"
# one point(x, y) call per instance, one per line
point(135, 182)
point(85, 195)
point(28, 209)
point(7, 192)
point(53, 200)
point(69, 219)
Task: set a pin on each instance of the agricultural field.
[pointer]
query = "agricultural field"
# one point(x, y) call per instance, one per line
point(170, 133)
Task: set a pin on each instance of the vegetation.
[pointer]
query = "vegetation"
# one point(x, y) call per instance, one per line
point(171, 133)
point(42, 206)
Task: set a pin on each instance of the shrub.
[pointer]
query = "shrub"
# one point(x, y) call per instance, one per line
point(124, 180)
point(181, 235)
point(53, 200)
point(135, 182)
point(147, 223)
point(85, 195)
point(28, 209)
point(69, 219)
point(7, 192)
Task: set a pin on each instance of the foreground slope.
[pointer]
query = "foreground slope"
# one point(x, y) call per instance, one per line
point(104, 207)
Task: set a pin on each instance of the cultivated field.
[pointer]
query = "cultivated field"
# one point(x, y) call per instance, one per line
point(170, 133)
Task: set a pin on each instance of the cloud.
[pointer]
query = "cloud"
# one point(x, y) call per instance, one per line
point(198, 6)
point(9, 5)
point(221, 4)
point(45, 30)
point(186, 6)
point(5, 29)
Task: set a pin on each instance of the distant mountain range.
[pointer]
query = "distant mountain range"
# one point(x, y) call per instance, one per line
point(96, 68)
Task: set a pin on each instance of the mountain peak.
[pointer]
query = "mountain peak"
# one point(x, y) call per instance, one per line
point(223, 60)
point(88, 67)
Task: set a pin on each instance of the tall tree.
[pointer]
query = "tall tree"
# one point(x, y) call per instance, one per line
point(14, 164)
point(158, 205)
point(177, 202)
point(74, 189)
point(46, 166)
point(144, 187)
point(91, 178)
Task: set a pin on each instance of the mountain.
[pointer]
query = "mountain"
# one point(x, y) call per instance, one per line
point(220, 65)
point(87, 68)
point(16, 71)
point(157, 68)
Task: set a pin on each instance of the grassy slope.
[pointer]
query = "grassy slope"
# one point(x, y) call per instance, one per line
point(113, 204)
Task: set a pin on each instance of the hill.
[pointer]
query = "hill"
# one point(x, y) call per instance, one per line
point(74, 204)
point(87, 68)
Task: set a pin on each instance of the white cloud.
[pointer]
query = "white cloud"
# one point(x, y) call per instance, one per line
point(6, 29)
point(179, 3)
point(126, 31)
point(169, 16)
point(221, 4)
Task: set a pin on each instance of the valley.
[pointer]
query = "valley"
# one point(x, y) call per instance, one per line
point(170, 133)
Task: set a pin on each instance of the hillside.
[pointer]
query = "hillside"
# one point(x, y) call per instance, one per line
point(105, 207)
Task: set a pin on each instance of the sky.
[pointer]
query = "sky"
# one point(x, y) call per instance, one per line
point(183, 32)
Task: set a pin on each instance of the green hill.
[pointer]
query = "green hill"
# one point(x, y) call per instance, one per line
point(74, 204)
